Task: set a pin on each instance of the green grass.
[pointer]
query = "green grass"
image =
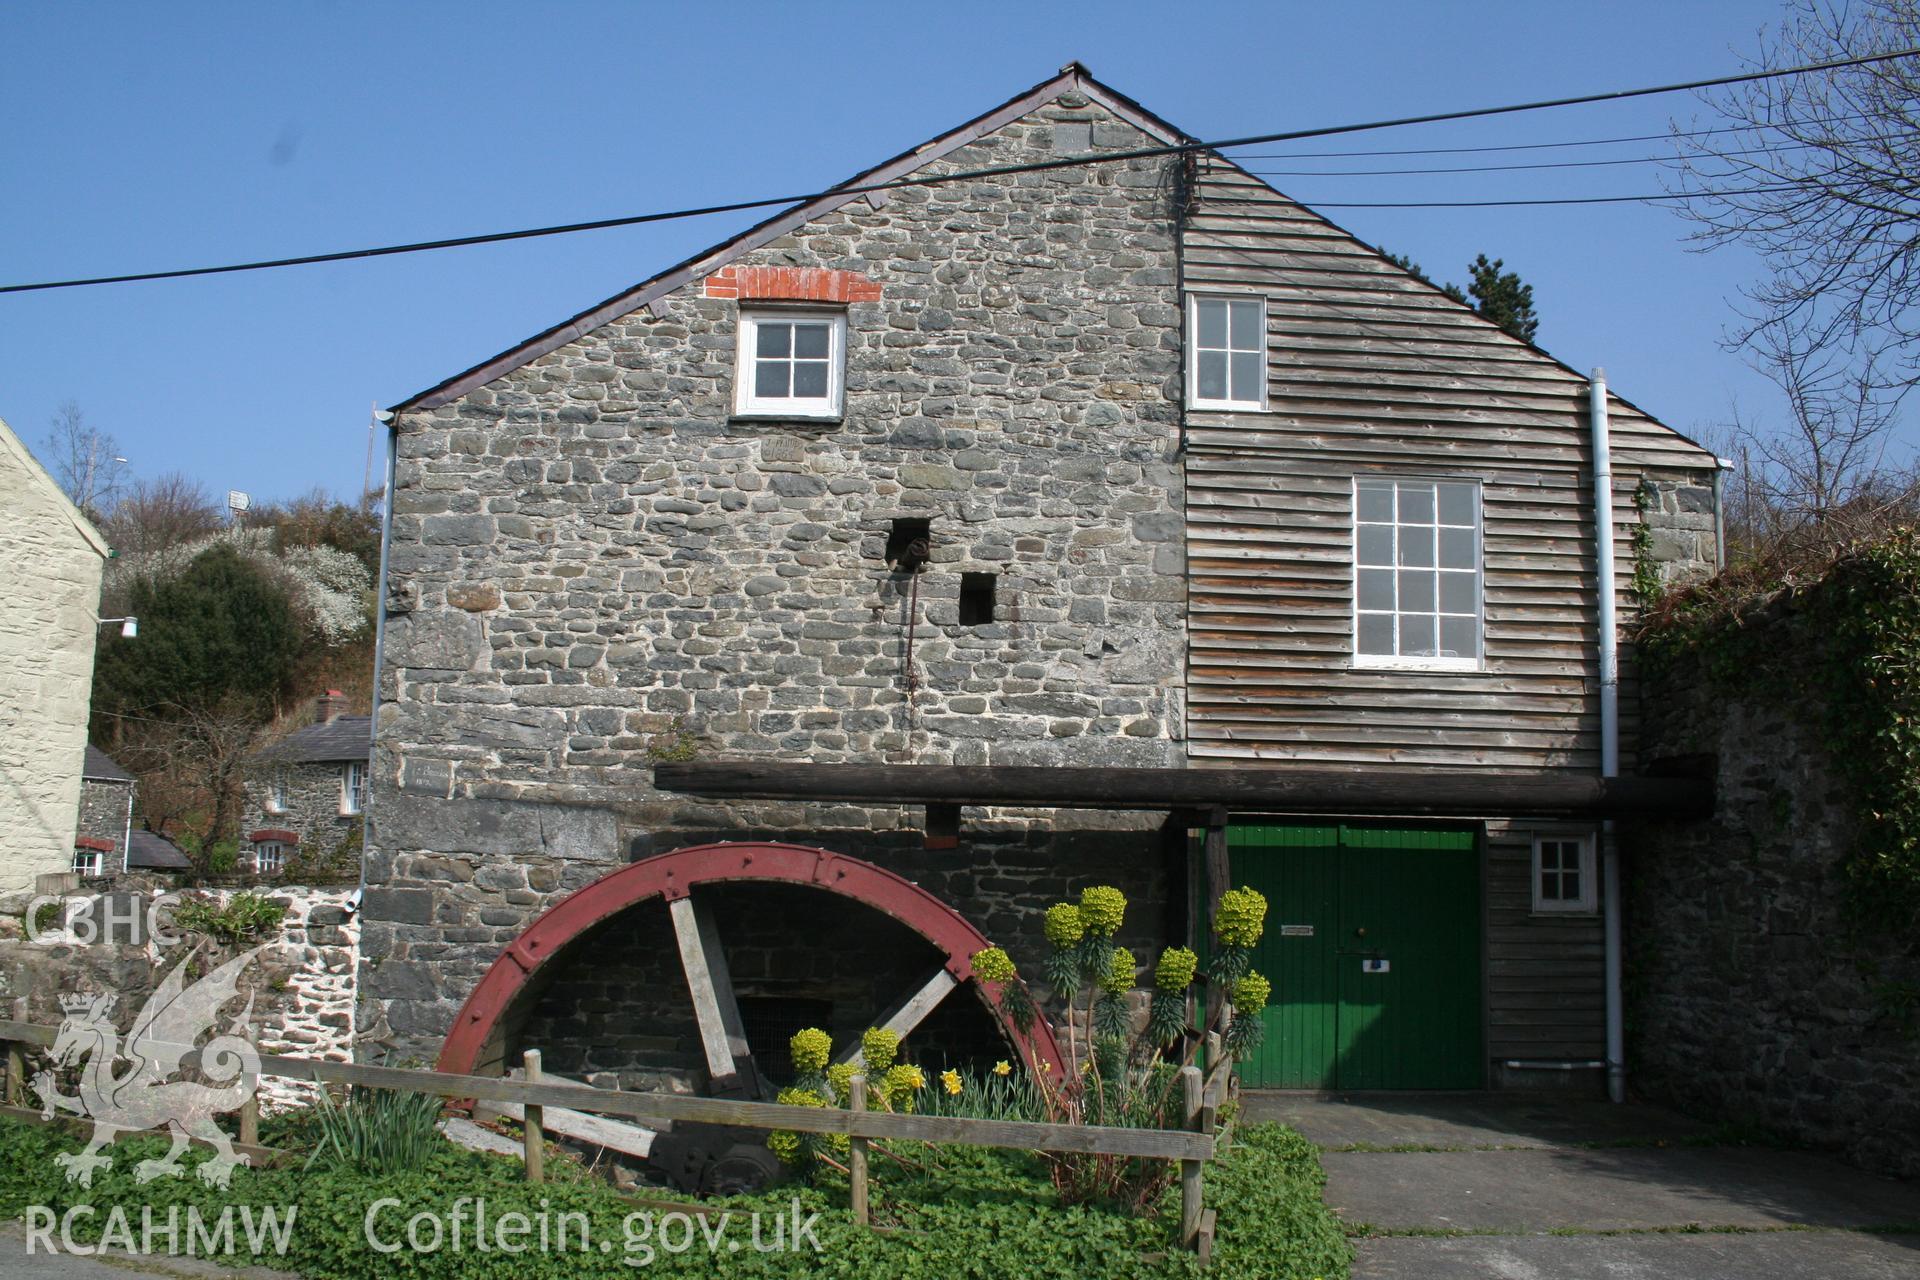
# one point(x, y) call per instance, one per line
point(963, 1213)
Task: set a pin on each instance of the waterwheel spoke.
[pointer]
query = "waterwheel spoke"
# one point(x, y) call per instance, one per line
point(722, 1035)
point(909, 1012)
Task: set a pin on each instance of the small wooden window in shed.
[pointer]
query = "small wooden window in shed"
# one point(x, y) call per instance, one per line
point(976, 598)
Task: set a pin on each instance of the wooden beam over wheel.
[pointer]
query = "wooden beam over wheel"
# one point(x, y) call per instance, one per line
point(722, 1034)
point(1408, 792)
point(909, 1013)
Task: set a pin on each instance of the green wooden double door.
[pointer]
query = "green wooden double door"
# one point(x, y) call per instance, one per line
point(1373, 948)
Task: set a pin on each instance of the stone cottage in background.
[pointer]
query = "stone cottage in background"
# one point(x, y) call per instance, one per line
point(106, 817)
point(305, 794)
point(51, 558)
point(1109, 486)
point(107, 842)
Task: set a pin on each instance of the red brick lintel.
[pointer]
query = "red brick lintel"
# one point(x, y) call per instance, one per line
point(792, 284)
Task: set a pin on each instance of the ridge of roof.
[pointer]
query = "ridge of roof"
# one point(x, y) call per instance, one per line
point(101, 767)
point(18, 447)
point(1074, 77)
point(339, 739)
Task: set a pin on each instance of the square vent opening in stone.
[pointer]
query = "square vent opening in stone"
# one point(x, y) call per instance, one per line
point(909, 543)
point(976, 598)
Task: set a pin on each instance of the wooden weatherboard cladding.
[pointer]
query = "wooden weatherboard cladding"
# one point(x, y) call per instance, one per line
point(1374, 373)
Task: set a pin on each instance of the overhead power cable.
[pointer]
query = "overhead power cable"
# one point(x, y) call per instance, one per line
point(1500, 204)
point(998, 171)
point(1525, 146)
point(1505, 168)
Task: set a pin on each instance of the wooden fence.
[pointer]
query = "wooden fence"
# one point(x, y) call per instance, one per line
point(1191, 1147)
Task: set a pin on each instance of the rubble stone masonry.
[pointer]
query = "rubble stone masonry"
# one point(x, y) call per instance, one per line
point(596, 564)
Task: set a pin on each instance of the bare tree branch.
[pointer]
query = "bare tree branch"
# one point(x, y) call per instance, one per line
point(85, 461)
point(1836, 156)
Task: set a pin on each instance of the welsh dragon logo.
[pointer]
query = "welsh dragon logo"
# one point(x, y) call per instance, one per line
point(144, 1095)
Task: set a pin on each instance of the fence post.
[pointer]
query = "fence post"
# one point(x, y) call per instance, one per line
point(16, 1073)
point(1190, 1089)
point(250, 1120)
point(857, 1154)
point(531, 1133)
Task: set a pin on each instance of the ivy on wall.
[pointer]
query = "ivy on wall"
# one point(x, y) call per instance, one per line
point(1847, 643)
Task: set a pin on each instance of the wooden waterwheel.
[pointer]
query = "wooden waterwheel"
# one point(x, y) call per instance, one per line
point(695, 885)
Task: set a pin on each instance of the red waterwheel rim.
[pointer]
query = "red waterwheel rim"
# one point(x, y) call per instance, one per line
point(482, 1020)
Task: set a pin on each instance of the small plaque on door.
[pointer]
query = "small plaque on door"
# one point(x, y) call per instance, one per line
point(1376, 966)
point(1296, 931)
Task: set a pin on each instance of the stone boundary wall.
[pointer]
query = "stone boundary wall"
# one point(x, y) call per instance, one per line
point(1746, 998)
point(304, 1003)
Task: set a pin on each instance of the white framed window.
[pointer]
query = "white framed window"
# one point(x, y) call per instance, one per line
point(1227, 339)
point(1416, 574)
point(277, 794)
point(1563, 873)
point(792, 363)
point(89, 862)
point(269, 857)
point(353, 787)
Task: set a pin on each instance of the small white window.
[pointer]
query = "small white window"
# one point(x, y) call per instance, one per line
point(277, 795)
point(89, 862)
point(1228, 339)
point(353, 787)
point(791, 363)
point(1563, 873)
point(269, 857)
point(1416, 575)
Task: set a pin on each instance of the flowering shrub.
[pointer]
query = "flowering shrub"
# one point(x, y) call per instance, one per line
point(1242, 917)
point(796, 1148)
point(1064, 927)
point(898, 1087)
point(811, 1048)
point(992, 965)
point(1174, 972)
point(1102, 908)
point(878, 1048)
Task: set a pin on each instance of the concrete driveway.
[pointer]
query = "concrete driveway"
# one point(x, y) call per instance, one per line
point(1480, 1186)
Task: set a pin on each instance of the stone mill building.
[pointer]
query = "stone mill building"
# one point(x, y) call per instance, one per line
point(1000, 527)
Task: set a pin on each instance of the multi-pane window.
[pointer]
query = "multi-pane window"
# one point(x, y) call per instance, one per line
point(1229, 346)
point(277, 794)
point(89, 862)
point(1562, 873)
point(1416, 573)
point(269, 857)
point(791, 363)
point(353, 787)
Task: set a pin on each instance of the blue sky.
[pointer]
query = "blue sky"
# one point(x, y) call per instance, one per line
point(140, 136)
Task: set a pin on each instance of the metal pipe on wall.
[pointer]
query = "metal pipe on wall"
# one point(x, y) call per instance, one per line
point(379, 648)
point(1609, 726)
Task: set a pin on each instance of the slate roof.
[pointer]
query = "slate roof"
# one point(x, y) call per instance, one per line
point(101, 768)
point(342, 738)
point(155, 852)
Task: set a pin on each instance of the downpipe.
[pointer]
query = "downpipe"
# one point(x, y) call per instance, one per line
point(379, 651)
point(1609, 728)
